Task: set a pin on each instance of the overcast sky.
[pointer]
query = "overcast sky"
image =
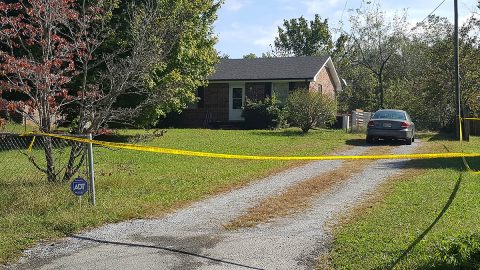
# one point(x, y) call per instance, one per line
point(250, 26)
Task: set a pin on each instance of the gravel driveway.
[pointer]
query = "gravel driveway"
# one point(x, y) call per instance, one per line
point(194, 237)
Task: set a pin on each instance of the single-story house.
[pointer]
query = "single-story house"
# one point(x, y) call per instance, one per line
point(236, 80)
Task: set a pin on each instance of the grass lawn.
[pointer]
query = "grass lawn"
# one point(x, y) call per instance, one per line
point(133, 184)
point(419, 218)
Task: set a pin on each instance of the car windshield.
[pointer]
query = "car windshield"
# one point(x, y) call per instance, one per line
point(389, 115)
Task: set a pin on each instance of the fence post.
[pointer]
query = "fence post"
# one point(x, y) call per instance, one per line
point(91, 171)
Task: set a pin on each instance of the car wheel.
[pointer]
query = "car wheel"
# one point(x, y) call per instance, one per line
point(408, 141)
point(369, 139)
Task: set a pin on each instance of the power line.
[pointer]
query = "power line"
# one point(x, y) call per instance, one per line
point(439, 5)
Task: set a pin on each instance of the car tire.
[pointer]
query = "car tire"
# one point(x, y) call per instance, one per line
point(408, 141)
point(369, 139)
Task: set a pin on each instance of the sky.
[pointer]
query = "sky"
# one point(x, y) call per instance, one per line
point(250, 26)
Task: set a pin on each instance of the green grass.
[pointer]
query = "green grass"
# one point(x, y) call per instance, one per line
point(408, 227)
point(16, 128)
point(133, 184)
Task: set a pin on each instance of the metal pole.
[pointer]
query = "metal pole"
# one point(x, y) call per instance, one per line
point(457, 72)
point(91, 171)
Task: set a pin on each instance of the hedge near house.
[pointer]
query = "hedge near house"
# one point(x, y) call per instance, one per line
point(310, 109)
point(260, 114)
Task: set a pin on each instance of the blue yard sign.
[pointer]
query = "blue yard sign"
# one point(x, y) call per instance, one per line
point(79, 186)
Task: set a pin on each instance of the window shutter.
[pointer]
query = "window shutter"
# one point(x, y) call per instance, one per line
point(268, 89)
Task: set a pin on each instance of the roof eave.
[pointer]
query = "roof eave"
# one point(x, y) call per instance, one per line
point(263, 79)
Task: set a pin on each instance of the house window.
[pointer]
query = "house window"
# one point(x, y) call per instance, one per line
point(237, 98)
point(320, 88)
point(291, 86)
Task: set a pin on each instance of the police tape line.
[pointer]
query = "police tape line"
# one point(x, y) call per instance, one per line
point(155, 149)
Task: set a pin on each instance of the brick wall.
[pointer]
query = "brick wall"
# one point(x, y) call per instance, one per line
point(215, 107)
point(324, 78)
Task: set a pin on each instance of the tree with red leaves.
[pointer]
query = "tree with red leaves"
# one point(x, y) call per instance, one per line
point(37, 59)
point(78, 57)
point(67, 54)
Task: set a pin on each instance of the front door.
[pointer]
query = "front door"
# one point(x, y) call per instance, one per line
point(236, 101)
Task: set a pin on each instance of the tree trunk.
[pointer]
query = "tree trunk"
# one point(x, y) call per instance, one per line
point(381, 91)
point(72, 167)
point(48, 148)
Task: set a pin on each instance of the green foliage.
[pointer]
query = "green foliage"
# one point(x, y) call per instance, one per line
point(266, 113)
point(360, 92)
point(310, 109)
point(301, 37)
point(386, 64)
point(191, 59)
point(250, 56)
point(460, 253)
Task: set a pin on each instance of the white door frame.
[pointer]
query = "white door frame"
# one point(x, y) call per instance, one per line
point(235, 114)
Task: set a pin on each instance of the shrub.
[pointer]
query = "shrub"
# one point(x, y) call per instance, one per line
point(263, 114)
point(460, 253)
point(309, 109)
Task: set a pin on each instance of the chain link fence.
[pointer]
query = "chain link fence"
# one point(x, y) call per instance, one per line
point(30, 157)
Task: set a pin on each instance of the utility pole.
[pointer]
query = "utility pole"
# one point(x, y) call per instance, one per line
point(457, 73)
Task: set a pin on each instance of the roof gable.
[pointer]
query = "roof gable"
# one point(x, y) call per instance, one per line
point(287, 68)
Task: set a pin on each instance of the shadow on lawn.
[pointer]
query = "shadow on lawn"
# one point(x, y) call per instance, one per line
point(122, 138)
point(281, 133)
point(429, 228)
point(361, 142)
point(434, 163)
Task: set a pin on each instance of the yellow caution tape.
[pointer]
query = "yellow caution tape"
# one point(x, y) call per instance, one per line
point(249, 157)
point(31, 144)
point(469, 118)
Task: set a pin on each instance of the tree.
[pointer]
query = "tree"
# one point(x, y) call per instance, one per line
point(250, 56)
point(300, 37)
point(37, 59)
point(373, 41)
point(224, 56)
point(173, 83)
point(65, 54)
point(309, 109)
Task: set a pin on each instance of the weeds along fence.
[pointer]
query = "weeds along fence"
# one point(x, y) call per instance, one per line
point(36, 157)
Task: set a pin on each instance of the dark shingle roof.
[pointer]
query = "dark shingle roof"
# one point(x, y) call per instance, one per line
point(305, 67)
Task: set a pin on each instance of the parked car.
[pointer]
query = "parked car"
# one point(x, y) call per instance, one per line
point(391, 124)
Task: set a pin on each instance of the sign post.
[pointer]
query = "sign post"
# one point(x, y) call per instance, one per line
point(91, 171)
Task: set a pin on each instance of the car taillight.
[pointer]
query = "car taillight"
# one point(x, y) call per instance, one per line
point(371, 124)
point(404, 125)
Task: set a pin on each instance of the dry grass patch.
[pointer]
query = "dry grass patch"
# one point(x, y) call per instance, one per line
point(300, 196)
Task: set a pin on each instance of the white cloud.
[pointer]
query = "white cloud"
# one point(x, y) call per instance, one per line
point(319, 6)
point(236, 5)
point(254, 38)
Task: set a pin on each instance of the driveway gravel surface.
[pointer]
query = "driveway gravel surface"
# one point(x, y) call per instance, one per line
point(194, 237)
